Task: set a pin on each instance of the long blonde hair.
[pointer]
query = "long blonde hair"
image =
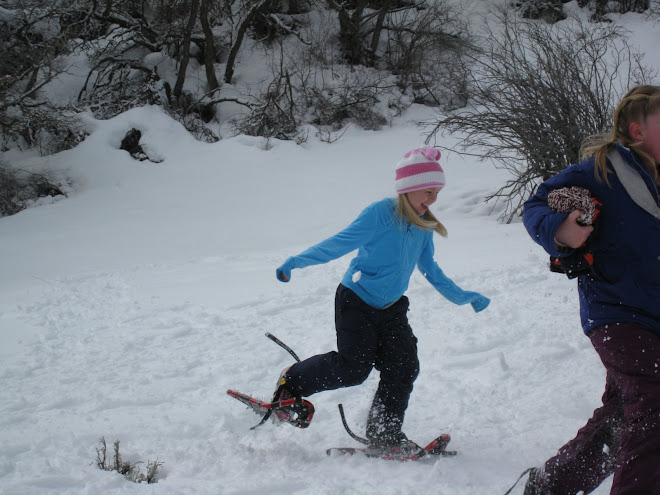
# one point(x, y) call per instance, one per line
point(428, 221)
point(636, 106)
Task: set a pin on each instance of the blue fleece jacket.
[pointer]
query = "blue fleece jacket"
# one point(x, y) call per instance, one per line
point(624, 282)
point(387, 255)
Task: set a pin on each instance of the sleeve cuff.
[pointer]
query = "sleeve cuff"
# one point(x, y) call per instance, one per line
point(562, 248)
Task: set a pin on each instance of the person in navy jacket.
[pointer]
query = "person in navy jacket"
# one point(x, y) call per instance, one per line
point(619, 302)
point(392, 237)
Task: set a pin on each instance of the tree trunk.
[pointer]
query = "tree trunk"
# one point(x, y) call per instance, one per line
point(108, 8)
point(350, 38)
point(378, 28)
point(240, 34)
point(209, 49)
point(185, 56)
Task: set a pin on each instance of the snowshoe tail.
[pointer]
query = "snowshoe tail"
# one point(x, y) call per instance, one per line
point(437, 448)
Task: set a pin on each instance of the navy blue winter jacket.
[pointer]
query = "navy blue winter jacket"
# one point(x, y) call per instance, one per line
point(624, 283)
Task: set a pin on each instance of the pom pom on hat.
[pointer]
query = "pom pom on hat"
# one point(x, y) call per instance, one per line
point(419, 169)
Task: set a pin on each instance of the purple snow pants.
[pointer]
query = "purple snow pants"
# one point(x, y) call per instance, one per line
point(623, 436)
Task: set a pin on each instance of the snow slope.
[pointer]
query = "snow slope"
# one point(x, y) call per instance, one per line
point(128, 309)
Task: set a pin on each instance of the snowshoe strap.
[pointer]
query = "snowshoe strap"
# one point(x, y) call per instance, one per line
point(283, 346)
point(279, 389)
point(264, 419)
point(271, 409)
point(518, 480)
point(348, 430)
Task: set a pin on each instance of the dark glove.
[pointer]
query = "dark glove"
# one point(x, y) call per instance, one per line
point(575, 264)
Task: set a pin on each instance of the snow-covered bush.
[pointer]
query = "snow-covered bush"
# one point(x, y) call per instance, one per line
point(537, 91)
point(351, 96)
point(18, 188)
point(333, 63)
point(552, 10)
point(34, 44)
point(424, 48)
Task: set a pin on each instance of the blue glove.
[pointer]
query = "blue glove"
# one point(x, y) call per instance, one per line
point(479, 303)
point(283, 273)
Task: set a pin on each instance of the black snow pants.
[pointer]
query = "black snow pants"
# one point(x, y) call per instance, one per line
point(366, 338)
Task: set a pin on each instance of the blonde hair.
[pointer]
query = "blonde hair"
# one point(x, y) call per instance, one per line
point(636, 106)
point(405, 211)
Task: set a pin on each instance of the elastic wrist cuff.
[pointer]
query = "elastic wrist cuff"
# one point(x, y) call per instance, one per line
point(562, 248)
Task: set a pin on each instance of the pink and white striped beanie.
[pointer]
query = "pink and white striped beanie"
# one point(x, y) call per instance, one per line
point(419, 169)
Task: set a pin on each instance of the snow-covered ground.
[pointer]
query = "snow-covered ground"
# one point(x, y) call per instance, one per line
point(129, 308)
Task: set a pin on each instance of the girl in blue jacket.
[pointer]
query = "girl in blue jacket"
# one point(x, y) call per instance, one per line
point(619, 302)
point(392, 237)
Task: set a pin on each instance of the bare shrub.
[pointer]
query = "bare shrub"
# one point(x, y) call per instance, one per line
point(310, 87)
point(351, 96)
point(602, 7)
point(633, 5)
point(546, 10)
point(115, 85)
point(327, 99)
point(274, 115)
point(129, 470)
point(553, 11)
point(18, 188)
point(537, 91)
point(423, 48)
point(42, 125)
point(34, 42)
